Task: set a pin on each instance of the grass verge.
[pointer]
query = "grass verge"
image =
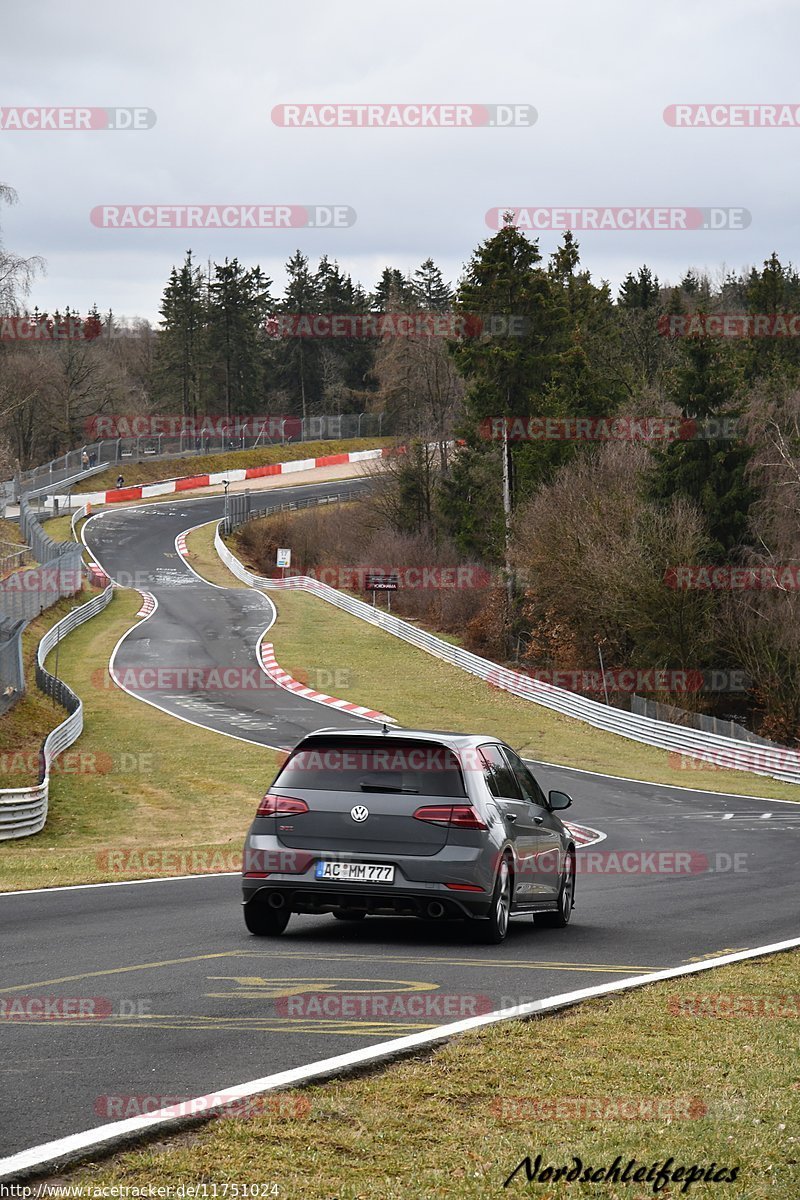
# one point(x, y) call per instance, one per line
point(628, 1076)
point(10, 532)
point(203, 558)
point(335, 653)
point(141, 796)
point(60, 528)
point(154, 470)
point(25, 726)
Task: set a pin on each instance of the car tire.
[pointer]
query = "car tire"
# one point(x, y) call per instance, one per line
point(264, 921)
point(494, 928)
point(353, 915)
point(566, 899)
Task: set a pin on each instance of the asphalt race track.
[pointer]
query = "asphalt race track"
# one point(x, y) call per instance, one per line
point(197, 1005)
point(196, 625)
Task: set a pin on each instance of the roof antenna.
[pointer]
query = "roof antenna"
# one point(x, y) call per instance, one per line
point(385, 727)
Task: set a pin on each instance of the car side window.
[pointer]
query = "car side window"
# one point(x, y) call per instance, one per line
point(500, 778)
point(528, 785)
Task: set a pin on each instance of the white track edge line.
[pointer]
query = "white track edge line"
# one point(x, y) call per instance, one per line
point(287, 688)
point(623, 778)
point(79, 887)
point(178, 716)
point(678, 787)
point(184, 559)
point(114, 1134)
point(76, 887)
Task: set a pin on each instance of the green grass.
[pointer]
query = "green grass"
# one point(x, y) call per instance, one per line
point(137, 779)
point(153, 470)
point(25, 726)
point(10, 531)
point(60, 528)
point(338, 654)
point(315, 641)
point(454, 1122)
point(204, 559)
point(141, 782)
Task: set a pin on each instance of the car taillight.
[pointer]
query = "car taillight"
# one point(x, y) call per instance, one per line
point(274, 806)
point(460, 816)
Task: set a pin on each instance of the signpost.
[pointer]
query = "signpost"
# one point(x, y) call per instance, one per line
point(284, 560)
point(382, 583)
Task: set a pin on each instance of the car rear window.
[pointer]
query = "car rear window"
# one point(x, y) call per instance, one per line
point(413, 768)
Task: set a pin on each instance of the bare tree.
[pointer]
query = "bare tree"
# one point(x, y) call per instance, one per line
point(16, 273)
point(761, 624)
point(421, 387)
point(594, 558)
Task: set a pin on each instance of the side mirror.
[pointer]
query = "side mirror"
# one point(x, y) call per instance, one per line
point(559, 800)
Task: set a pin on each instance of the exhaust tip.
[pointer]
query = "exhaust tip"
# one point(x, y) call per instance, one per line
point(435, 909)
point(276, 900)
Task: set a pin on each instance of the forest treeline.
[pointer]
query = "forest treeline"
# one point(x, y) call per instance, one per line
point(581, 536)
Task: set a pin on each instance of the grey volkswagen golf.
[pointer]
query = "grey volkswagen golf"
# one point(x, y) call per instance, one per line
point(408, 822)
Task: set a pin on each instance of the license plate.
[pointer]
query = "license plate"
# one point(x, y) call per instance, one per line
point(341, 872)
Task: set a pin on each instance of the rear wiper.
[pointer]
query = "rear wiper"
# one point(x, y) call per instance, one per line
point(380, 787)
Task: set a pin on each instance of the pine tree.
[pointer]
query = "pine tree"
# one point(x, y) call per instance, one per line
point(239, 304)
point(394, 293)
point(179, 360)
point(507, 372)
point(430, 290)
point(295, 361)
point(712, 471)
point(640, 290)
point(775, 289)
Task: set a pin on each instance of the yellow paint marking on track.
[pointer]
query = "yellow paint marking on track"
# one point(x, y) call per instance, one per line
point(715, 954)
point(168, 962)
point(492, 964)
point(483, 963)
point(197, 1023)
point(253, 987)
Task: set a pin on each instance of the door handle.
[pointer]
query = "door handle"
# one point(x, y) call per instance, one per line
point(510, 816)
point(538, 820)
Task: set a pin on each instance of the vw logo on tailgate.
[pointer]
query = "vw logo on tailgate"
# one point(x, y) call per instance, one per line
point(359, 813)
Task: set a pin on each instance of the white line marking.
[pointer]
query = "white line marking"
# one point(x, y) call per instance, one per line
point(152, 703)
point(79, 887)
point(678, 787)
point(182, 556)
point(115, 1133)
point(273, 671)
point(577, 830)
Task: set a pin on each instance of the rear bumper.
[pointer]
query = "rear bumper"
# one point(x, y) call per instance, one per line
point(434, 901)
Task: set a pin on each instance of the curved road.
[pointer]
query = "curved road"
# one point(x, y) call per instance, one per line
point(196, 1005)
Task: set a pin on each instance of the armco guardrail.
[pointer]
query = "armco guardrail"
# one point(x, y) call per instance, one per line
point(693, 743)
point(78, 515)
point(69, 469)
point(241, 511)
point(23, 811)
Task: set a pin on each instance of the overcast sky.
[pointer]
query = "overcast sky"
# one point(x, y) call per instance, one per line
point(598, 75)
